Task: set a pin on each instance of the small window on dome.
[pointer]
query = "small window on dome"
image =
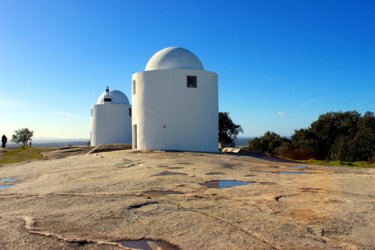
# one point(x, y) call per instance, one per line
point(191, 81)
point(134, 89)
point(130, 112)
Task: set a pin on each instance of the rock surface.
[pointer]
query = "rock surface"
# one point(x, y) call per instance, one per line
point(155, 200)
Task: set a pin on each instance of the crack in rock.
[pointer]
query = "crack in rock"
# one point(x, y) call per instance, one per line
point(30, 227)
point(252, 234)
point(135, 206)
point(277, 198)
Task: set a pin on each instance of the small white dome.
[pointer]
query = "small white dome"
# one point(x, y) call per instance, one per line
point(174, 58)
point(117, 97)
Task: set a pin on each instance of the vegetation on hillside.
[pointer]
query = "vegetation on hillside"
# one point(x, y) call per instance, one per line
point(335, 136)
point(22, 154)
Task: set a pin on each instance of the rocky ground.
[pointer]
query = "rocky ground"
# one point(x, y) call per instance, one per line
point(172, 200)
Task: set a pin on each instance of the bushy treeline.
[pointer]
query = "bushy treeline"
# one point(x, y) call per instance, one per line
point(336, 136)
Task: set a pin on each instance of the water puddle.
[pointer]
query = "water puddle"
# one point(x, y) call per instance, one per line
point(292, 172)
point(8, 180)
point(225, 183)
point(148, 244)
point(299, 167)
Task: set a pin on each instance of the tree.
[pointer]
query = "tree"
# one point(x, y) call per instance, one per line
point(338, 136)
point(22, 136)
point(334, 128)
point(268, 143)
point(343, 136)
point(228, 130)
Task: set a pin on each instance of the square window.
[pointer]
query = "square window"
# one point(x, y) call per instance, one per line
point(191, 81)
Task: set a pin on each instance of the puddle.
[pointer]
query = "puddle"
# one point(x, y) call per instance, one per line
point(225, 183)
point(299, 167)
point(169, 173)
point(8, 180)
point(148, 244)
point(215, 173)
point(161, 192)
point(292, 173)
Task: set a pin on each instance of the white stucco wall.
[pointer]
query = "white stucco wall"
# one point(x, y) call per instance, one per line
point(170, 116)
point(110, 123)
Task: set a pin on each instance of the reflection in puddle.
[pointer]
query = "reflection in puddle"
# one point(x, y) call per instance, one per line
point(8, 180)
point(137, 244)
point(299, 167)
point(225, 183)
point(148, 244)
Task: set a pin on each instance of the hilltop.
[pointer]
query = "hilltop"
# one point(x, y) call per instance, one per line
point(172, 200)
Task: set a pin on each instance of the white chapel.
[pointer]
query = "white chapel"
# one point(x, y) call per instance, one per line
point(175, 104)
point(111, 119)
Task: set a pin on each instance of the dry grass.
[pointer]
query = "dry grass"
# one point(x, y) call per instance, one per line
point(22, 154)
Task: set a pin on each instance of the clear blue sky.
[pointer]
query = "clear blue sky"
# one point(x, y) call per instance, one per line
point(280, 63)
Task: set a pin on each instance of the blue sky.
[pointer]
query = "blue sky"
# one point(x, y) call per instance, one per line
point(280, 63)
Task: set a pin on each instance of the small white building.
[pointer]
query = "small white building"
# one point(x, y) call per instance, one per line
point(175, 104)
point(111, 119)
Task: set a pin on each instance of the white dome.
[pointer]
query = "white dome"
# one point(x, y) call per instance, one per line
point(174, 58)
point(117, 97)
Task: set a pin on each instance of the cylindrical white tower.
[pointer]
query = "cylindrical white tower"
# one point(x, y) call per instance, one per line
point(111, 119)
point(175, 104)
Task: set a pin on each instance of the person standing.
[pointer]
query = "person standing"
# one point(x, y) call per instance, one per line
point(4, 140)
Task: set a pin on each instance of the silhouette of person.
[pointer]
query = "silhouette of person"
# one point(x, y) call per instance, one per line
point(4, 140)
